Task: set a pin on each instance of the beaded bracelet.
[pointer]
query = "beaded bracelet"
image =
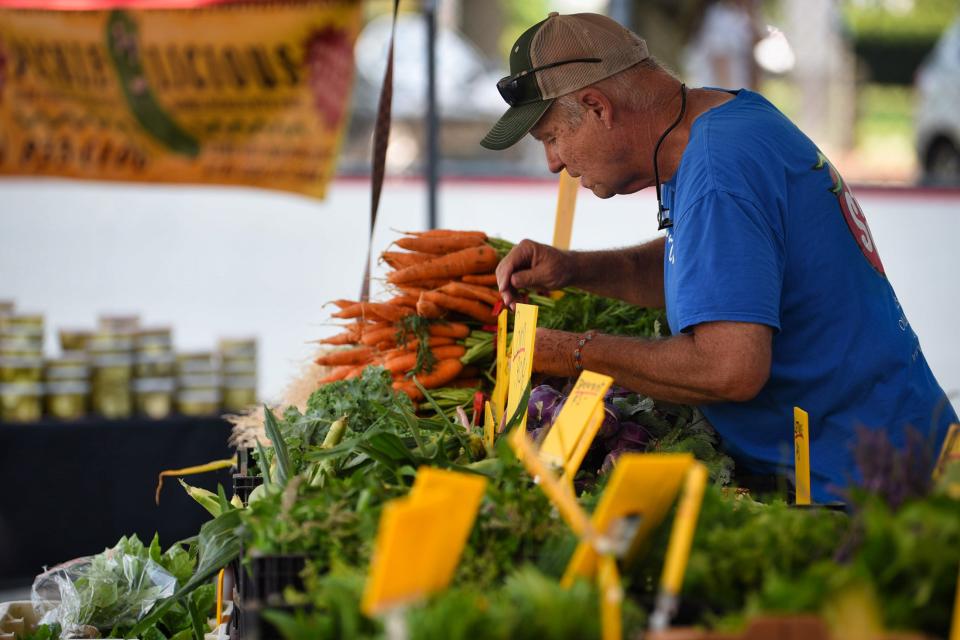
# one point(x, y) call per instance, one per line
point(578, 352)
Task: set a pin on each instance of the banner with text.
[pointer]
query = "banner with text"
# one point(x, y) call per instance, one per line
point(239, 94)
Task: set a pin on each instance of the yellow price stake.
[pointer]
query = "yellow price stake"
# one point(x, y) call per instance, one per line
point(498, 398)
point(566, 206)
point(420, 539)
point(955, 627)
point(489, 424)
point(684, 526)
point(611, 598)
point(641, 490)
point(577, 423)
point(521, 358)
point(949, 452)
point(559, 494)
point(801, 454)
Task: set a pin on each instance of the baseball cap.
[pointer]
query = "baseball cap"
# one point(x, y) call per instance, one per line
point(554, 57)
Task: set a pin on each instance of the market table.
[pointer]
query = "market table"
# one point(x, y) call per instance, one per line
point(72, 489)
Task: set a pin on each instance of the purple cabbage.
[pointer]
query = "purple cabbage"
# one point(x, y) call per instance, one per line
point(544, 405)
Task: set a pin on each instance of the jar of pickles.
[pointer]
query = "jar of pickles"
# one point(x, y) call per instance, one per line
point(74, 339)
point(67, 399)
point(21, 401)
point(111, 360)
point(198, 402)
point(239, 393)
point(153, 397)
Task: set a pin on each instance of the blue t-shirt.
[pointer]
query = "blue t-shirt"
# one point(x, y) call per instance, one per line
point(766, 231)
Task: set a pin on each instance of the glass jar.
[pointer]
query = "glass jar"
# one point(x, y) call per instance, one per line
point(198, 402)
point(154, 365)
point(73, 366)
point(153, 397)
point(238, 348)
point(22, 323)
point(21, 367)
point(21, 402)
point(21, 343)
point(196, 363)
point(111, 374)
point(74, 339)
point(67, 399)
point(239, 393)
point(157, 340)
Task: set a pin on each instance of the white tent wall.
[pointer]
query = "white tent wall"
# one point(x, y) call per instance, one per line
point(216, 262)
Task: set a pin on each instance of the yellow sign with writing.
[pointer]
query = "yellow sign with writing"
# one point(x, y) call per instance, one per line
point(641, 490)
point(253, 94)
point(577, 423)
point(498, 399)
point(566, 205)
point(521, 358)
point(489, 424)
point(801, 454)
point(420, 538)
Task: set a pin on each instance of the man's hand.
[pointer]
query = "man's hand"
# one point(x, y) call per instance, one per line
point(533, 265)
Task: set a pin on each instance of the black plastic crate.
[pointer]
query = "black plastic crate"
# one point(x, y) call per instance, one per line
point(243, 486)
point(270, 575)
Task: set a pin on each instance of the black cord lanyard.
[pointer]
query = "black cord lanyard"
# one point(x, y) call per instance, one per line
point(662, 221)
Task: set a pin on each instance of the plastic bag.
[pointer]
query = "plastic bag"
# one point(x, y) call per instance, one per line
point(113, 588)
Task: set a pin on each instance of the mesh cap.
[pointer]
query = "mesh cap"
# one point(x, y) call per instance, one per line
point(562, 54)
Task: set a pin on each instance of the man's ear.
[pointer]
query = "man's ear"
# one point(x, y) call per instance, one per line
point(597, 105)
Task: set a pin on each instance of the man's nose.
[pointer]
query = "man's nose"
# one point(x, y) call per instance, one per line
point(553, 160)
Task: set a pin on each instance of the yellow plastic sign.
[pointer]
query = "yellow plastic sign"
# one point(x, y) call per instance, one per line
point(577, 423)
point(521, 357)
point(227, 93)
point(801, 454)
point(566, 206)
point(640, 491)
point(955, 627)
point(420, 539)
point(498, 399)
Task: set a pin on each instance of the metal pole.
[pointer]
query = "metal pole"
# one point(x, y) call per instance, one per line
point(433, 129)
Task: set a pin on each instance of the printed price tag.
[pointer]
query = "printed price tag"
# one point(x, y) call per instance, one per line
point(521, 357)
point(498, 399)
point(577, 423)
point(641, 489)
point(420, 539)
point(801, 454)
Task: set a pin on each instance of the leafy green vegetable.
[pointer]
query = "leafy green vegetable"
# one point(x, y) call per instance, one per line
point(578, 311)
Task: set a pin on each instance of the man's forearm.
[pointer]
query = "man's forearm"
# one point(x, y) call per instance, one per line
point(634, 274)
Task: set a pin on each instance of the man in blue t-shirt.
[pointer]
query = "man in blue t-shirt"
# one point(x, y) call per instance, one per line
point(774, 288)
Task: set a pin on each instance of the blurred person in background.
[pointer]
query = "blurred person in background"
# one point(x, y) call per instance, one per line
point(773, 286)
point(720, 54)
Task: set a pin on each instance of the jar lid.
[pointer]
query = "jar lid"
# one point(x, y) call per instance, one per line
point(198, 395)
point(154, 385)
point(154, 358)
point(21, 362)
point(118, 323)
point(240, 382)
point(105, 360)
point(68, 372)
point(21, 389)
point(108, 343)
point(67, 387)
point(69, 359)
point(206, 381)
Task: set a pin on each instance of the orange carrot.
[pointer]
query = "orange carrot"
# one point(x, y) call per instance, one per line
point(428, 285)
point(413, 344)
point(373, 309)
point(439, 244)
point(343, 304)
point(356, 372)
point(472, 291)
point(486, 279)
point(355, 356)
point(377, 336)
point(347, 337)
point(479, 259)
point(443, 372)
point(407, 360)
point(433, 233)
point(411, 291)
point(404, 301)
point(449, 329)
point(403, 259)
point(427, 309)
point(337, 374)
point(472, 308)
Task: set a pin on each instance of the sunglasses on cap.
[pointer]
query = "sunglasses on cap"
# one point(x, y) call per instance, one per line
point(522, 88)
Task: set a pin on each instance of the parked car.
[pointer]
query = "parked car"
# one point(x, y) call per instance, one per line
point(938, 111)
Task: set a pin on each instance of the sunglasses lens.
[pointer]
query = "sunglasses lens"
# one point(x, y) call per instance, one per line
point(508, 90)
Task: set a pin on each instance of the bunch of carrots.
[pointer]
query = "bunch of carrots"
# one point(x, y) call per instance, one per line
point(443, 283)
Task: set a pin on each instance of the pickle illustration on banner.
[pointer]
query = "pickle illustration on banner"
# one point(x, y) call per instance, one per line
point(521, 357)
point(123, 43)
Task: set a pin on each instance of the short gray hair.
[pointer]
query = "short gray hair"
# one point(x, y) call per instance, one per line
point(622, 87)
